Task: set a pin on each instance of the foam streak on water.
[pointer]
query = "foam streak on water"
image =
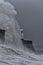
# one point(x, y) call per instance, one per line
point(12, 51)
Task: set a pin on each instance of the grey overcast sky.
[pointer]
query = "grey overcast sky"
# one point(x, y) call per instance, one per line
point(30, 17)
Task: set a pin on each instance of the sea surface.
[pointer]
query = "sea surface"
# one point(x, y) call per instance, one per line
point(13, 56)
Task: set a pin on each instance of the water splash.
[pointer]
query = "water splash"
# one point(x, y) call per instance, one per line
point(9, 23)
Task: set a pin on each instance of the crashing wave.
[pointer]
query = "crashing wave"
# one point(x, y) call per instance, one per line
point(9, 28)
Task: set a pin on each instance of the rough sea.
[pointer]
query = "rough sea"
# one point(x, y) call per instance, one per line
point(14, 53)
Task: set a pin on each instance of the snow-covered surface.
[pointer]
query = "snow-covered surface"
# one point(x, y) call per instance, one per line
point(12, 51)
